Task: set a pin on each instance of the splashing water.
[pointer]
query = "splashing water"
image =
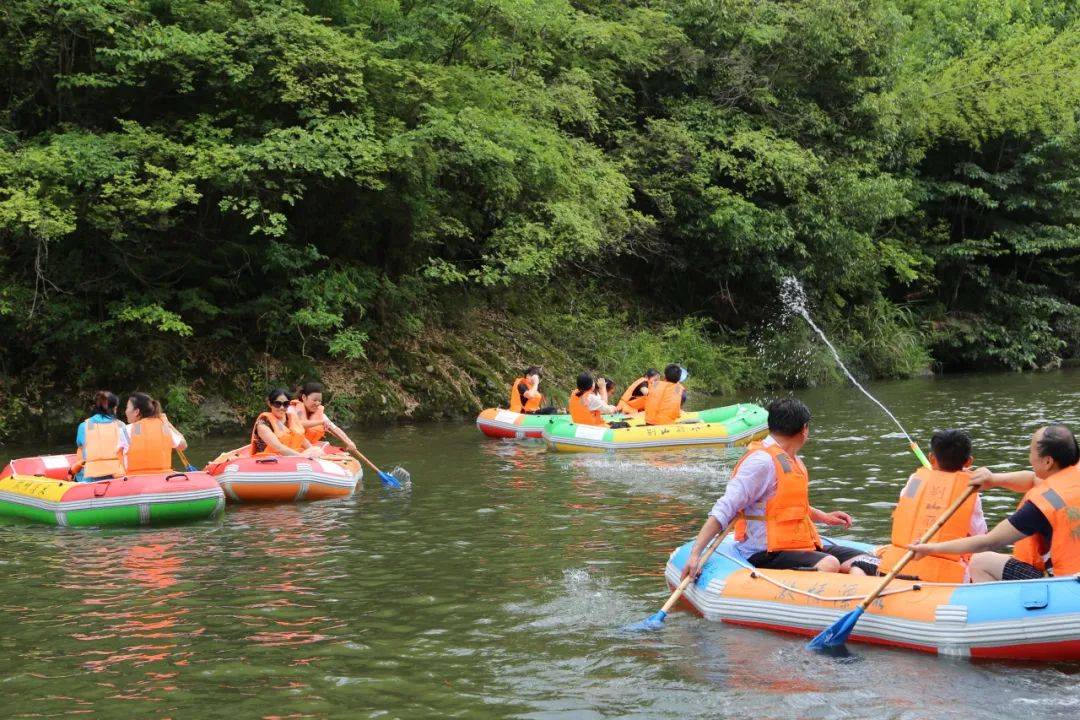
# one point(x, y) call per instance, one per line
point(794, 298)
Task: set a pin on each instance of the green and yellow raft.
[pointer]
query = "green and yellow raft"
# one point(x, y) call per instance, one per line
point(728, 426)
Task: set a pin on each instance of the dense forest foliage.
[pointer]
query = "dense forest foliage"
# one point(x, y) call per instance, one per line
point(225, 193)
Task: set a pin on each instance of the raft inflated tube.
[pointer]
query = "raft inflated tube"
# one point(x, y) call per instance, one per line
point(729, 426)
point(133, 500)
point(286, 478)
point(1014, 620)
point(498, 423)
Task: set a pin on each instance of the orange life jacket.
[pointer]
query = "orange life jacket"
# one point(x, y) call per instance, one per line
point(531, 404)
point(663, 404)
point(631, 404)
point(1059, 500)
point(787, 513)
point(1031, 549)
point(290, 433)
point(580, 412)
point(150, 447)
point(315, 433)
point(100, 456)
point(924, 498)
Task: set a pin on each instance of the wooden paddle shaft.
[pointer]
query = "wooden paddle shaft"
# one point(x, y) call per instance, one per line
point(944, 518)
point(360, 455)
point(691, 578)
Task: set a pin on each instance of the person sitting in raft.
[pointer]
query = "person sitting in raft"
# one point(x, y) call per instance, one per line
point(767, 500)
point(102, 441)
point(633, 398)
point(1049, 512)
point(589, 401)
point(927, 493)
point(525, 395)
point(151, 438)
point(311, 415)
point(277, 431)
point(663, 404)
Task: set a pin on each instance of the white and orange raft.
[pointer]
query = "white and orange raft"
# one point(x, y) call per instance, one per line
point(1018, 619)
point(285, 478)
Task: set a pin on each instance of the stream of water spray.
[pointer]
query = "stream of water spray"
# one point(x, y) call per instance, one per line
point(794, 297)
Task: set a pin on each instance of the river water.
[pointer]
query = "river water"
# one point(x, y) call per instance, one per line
point(495, 587)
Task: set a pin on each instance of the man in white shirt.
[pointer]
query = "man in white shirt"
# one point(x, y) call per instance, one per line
point(767, 499)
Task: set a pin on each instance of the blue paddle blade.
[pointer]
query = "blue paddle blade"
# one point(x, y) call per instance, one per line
point(837, 633)
point(388, 480)
point(653, 622)
point(192, 468)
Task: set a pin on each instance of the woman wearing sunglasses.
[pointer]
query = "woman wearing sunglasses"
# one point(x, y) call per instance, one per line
point(278, 432)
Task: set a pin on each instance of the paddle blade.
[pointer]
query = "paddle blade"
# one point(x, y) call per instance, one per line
point(653, 622)
point(388, 480)
point(192, 468)
point(837, 633)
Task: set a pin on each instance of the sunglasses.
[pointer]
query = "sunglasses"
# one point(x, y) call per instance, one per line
point(279, 403)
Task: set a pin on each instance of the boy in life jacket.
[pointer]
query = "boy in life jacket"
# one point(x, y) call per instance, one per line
point(525, 395)
point(633, 398)
point(589, 401)
point(1050, 512)
point(663, 405)
point(768, 501)
point(927, 493)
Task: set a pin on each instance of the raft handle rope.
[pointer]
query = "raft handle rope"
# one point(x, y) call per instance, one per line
point(756, 574)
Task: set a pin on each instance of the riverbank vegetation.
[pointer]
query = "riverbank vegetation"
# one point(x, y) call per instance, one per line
point(411, 199)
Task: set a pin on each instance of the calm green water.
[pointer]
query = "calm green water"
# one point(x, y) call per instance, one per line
point(494, 588)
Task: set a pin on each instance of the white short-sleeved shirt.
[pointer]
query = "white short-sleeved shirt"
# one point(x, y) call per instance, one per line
point(753, 485)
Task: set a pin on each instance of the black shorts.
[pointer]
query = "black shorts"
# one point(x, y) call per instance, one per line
point(1018, 570)
point(789, 559)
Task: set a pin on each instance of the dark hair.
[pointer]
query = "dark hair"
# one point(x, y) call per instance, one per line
point(147, 406)
point(652, 372)
point(105, 403)
point(310, 387)
point(584, 382)
point(787, 416)
point(531, 370)
point(951, 449)
point(1058, 443)
point(272, 395)
point(609, 384)
point(672, 373)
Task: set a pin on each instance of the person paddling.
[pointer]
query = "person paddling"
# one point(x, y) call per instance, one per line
point(927, 493)
point(768, 501)
point(102, 441)
point(1050, 511)
point(311, 415)
point(151, 437)
point(277, 431)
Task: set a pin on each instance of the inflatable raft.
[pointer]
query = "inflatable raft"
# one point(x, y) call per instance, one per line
point(497, 423)
point(38, 489)
point(729, 426)
point(1019, 619)
point(285, 478)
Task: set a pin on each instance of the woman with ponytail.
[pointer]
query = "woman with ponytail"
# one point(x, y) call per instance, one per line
point(101, 441)
point(151, 438)
point(309, 410)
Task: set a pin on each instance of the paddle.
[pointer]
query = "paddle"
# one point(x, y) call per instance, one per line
point(190, 467)
point(394, 479)
point(656, 620)
point(837, 633)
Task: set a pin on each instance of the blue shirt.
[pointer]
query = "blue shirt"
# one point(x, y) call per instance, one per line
point(80, 434)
